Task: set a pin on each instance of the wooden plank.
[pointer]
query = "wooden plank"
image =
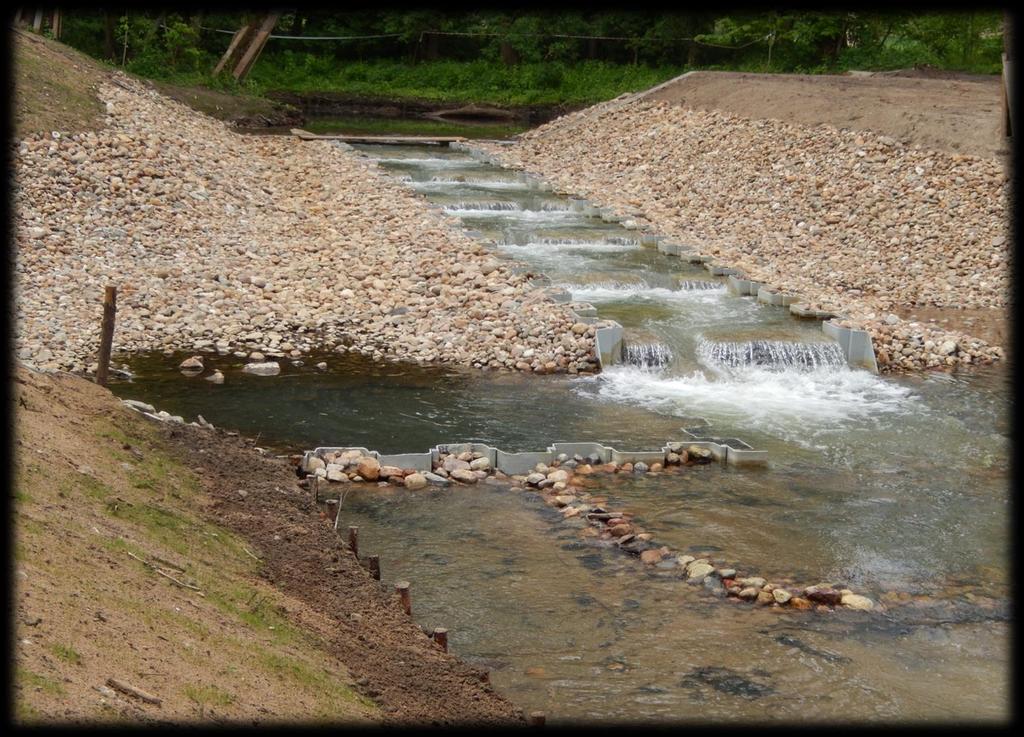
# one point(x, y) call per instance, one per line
point(236, 40)
point(393, 140)
point(253, 52)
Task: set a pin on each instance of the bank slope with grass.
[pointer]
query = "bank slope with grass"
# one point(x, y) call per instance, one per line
point(180, 563)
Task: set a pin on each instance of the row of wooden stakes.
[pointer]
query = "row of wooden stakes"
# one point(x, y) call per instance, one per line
point(372, 563)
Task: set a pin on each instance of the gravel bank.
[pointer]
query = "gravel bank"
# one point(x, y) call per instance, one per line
point(232, 243)
point(852, 221)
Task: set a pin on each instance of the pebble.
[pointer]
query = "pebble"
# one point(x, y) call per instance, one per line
point(289, 244)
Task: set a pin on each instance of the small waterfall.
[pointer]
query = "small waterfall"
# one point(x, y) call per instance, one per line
point(497, 206)
point(775, 355)
point(691, 285)
point(647, 355)
point(583, 244)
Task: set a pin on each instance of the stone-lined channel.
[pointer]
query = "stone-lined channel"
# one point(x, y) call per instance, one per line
point(895, 485)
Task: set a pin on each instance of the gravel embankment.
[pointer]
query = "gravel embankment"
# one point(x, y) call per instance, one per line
point(852, 221)
point(220, 241)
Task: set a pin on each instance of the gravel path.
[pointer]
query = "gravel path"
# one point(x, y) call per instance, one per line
point(852, 221)
point(220, 241)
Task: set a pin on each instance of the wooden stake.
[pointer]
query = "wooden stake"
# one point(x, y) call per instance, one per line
point(106, 334)
point(316, 489)
point(258, 42)
point(373, 563)
point(402, 587)
point(536, 719)
point(353, 540)
point(337, 514)
point(441, 637)
point(236, 41)
point(56, 24)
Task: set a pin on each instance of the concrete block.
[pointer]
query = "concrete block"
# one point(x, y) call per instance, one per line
point(799, 310)
point(740, 457)
point(636, 456)
point(742, 287)
point(608, 345)
point(577, 205)
point(584, 309)
point(856, 345)
point(521, 463)
point(695, 258)
point(775, 298)
point(456, 448)
point(648, 239)
point(672, 249)
point(719, 270)
point(584, 449)
point(419, 461)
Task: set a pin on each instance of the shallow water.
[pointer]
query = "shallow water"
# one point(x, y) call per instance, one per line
point(883, 483)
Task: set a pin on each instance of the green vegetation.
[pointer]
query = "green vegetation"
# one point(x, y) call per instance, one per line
point(208, 695)
point(531, 57)
point(410, 127)
point(27, 679)
point(66, 653)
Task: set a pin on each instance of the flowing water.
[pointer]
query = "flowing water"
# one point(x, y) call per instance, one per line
point(888, 484)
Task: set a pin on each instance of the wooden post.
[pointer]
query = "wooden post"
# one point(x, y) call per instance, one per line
point(337, 514)
point(402, 587)
point(441, 637)
point(373, 563)
point(56, 24)
point(106, 334)
point(353, 540)
point(258, 42)
point(236, 42)
point(536, 719)
point(316, 489)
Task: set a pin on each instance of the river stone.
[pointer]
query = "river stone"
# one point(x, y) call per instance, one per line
point(564, 500)
point(480, 464)
point(727, 572)
point(336, 472)
point(391, 471)
point(696, 572)
point(620, 530)
point(559, 475)
point(650, 557)
point(855, 601)
point(755, 581)
point(822, 595)
point(535, 478)
point(749, 593)
point(434, 480)
point(455, 464)
point(267, 368)
point(764, 598)
point(699, 454)
point(781, 595)
point(464, 475)
point(415, 481)
point(368, 468)
point(798, 602)
point(640, 467)
point(140, 406)
point(195, 363)
point(216, 378)
point(314, 464)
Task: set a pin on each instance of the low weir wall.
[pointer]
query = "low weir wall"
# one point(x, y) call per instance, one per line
point(724, 450)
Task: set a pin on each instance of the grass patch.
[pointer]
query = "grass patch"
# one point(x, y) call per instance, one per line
point(248, 605)
point(208, 695)
point(27, 679)
point(66, 653)
point(411, 127)
point(327, 686)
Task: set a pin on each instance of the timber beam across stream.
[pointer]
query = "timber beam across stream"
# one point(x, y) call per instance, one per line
point(386, 140)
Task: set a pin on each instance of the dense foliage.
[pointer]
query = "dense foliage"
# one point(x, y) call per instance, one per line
point(526, 57)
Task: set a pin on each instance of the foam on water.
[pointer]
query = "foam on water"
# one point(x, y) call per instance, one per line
point(439, 163)
point(793, 405)
point(546, 246)
point(443, 183)
point(620, 291)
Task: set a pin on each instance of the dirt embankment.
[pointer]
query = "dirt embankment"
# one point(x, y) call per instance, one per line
point(962, 114)
point(182, 563)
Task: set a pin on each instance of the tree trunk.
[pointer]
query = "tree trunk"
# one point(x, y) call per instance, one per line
point(509, 55)
point(109, 21)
